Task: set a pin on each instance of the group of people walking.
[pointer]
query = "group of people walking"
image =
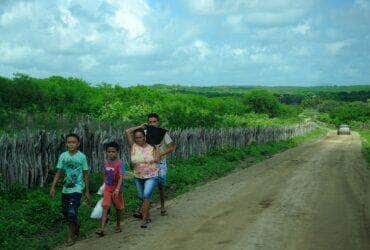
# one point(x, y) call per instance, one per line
point(149, 144)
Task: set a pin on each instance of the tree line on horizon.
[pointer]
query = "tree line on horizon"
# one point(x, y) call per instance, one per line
point(57, 102)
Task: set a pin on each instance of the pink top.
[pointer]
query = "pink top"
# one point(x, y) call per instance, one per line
point(143, 159)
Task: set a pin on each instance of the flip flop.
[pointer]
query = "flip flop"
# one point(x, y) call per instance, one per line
point(100, 233)
point(145, 224)
point(70, 243)
point(138, 215)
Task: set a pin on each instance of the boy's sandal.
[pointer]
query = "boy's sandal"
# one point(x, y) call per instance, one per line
point(164, 212)
point(145, 224)
point(70, 243)
point(117, 230)
point(138, 215)
point(77, 233)
point(100, 233)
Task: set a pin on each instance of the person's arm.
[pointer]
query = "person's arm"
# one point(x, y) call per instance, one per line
point(55, 181)
point(170, 146)
point(101, 172)
point(87, 188)
point(85, 170)
point(124, 172)
point(156, 154)
point(169, 149)
point(57, 176)
point(119, 184)
point(129, 131)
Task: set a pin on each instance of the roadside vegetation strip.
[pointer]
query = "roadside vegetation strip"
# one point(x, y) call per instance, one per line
point(30, 219)
point(29, 158)
point(365, 136)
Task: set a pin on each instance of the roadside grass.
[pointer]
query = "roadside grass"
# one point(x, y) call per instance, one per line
point(29, 219)
point(365, 139)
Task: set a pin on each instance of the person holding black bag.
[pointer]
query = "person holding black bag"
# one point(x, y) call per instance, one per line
point(157, 136)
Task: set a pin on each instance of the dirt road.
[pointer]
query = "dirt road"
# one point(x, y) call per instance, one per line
point(314, 196)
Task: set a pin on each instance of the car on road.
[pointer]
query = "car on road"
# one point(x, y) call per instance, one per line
point(343, 130)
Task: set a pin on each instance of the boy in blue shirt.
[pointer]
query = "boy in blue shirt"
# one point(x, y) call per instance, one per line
point(74, 164)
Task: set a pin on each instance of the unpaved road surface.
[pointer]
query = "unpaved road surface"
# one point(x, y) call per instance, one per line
point(314, 196)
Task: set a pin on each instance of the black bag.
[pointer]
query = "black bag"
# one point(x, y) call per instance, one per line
point(154, 135)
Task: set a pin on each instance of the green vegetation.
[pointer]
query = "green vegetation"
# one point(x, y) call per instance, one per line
point(365, 134)
point(61, 103)
point(30, 219)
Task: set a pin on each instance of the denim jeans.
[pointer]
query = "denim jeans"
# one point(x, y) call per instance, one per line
point(162, 173)
point(145, 187)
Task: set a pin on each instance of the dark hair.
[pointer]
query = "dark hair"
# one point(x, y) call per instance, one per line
point(155, 115)
point(140, 130)
point(111, 144)
point(73, 135)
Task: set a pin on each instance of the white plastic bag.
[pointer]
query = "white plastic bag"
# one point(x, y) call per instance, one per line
point(98, 210)
point(101, 189)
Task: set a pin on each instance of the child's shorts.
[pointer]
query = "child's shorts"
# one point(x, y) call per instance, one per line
point(109, 198)
point(70, 204)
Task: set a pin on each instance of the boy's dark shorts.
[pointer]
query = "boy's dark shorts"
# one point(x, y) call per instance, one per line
point(70, 204)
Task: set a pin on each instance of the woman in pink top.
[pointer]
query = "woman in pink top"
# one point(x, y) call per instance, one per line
point(144, 158)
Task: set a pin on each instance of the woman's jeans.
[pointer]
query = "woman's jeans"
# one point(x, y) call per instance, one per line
point(145, 187)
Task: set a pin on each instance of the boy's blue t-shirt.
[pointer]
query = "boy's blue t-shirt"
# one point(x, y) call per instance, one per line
point(73, 165)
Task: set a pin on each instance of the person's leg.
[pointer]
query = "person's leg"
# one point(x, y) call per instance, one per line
point(139, 183)
point(118, 220)
point(103, 220)
point(71, 234)
point(162, 179)
point(108, 215)
point(71, 202)
point(149, 185)
point(161, 196)
point(119, 205)
point(107, 202)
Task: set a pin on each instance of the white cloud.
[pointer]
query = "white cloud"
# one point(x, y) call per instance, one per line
point(19, 11)
point(14, 54)
point(363, 4)
point(265, 58)
point(301, 29)
point(301, 51)
point(335, 47)
point(202, 47)
point(235, 41)
point(274, 18)
point(202, 7)
point(129, 18)
point(239, 51)
point(88, 62)
point(67, 17)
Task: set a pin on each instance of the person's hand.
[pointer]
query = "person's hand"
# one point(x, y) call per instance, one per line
point(87, 199)
point(157, 159)
point(115, 193)
point(52, 192)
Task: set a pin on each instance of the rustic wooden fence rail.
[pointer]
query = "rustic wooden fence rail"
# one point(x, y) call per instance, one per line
point(28, 157)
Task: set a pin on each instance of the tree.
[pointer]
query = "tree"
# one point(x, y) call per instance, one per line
point(263, 102)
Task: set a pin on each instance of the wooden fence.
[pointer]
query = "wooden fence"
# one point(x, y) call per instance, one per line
point(28, 157)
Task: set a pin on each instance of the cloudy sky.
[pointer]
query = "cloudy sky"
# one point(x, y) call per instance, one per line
point(192, 42)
